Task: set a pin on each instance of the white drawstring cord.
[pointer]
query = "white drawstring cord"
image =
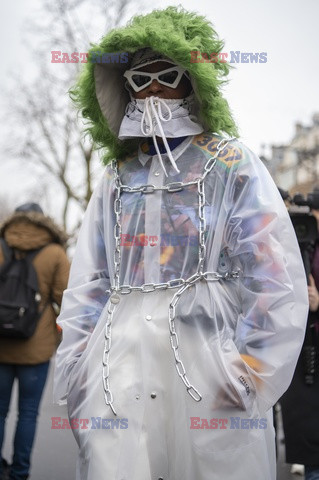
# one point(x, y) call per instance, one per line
point(148, 126)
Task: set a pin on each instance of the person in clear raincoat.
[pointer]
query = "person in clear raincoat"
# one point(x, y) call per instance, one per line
point(187, 301)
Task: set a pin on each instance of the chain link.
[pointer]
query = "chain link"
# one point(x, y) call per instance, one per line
point(179, 365)
point(105, 360)
point(179, 283)
point(202, 225)
point(117, 226)
point(150, 188)
point(176, 283)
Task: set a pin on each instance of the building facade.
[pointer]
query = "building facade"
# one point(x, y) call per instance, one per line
point(295, 167)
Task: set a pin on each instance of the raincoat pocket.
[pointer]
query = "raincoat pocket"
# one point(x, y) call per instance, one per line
point(220, 374)
point(227, 416)
point(235, 371)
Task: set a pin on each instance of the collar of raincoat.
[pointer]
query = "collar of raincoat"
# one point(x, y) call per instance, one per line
point(175, 33)
point(176, 152)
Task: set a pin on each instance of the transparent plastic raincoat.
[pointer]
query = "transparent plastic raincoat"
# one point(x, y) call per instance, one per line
point(187, 301)
point(196, 338)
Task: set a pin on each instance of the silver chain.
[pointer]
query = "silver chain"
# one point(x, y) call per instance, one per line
point(117, 226)
point(179, 283)
point(150, 188)
point(106, 353)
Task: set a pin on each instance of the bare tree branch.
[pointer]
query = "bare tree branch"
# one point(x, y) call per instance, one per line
point(49, 136)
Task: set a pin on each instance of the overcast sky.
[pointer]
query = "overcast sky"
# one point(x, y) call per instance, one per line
point(266, 98)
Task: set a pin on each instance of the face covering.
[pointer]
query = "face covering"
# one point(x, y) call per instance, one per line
point(165, 118)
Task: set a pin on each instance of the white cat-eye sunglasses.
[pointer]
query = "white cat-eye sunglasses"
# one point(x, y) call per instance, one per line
point(170, 77)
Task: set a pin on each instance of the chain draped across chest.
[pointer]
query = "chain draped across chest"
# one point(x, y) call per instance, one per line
point(179, 285)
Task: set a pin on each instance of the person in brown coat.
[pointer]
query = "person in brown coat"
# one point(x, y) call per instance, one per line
point(28, 359)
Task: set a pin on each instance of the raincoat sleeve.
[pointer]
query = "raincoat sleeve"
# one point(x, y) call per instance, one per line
point(85, 297)
point(272, 288)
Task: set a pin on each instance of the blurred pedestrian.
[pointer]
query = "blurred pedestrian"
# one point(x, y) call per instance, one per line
point(300, 404)
point(27, 360)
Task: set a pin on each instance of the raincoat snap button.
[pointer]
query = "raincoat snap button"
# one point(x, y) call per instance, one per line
point(148, 317)
point(115, 298)
point(153, 395)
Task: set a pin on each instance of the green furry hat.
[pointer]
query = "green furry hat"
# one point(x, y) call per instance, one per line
point(100, 93)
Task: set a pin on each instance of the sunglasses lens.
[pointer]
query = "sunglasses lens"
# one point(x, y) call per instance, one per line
point(169, 77)
point(140, 80)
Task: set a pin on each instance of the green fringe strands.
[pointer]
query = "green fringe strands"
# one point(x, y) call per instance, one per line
point(175, 33)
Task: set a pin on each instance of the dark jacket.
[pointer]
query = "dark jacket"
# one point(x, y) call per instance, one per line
point(300, 403)
point(25, 231)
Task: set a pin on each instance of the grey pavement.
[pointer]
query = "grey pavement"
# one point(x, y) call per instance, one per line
point(55, 451)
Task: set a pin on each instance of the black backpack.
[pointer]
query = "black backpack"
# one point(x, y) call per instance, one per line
point(19, 294)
